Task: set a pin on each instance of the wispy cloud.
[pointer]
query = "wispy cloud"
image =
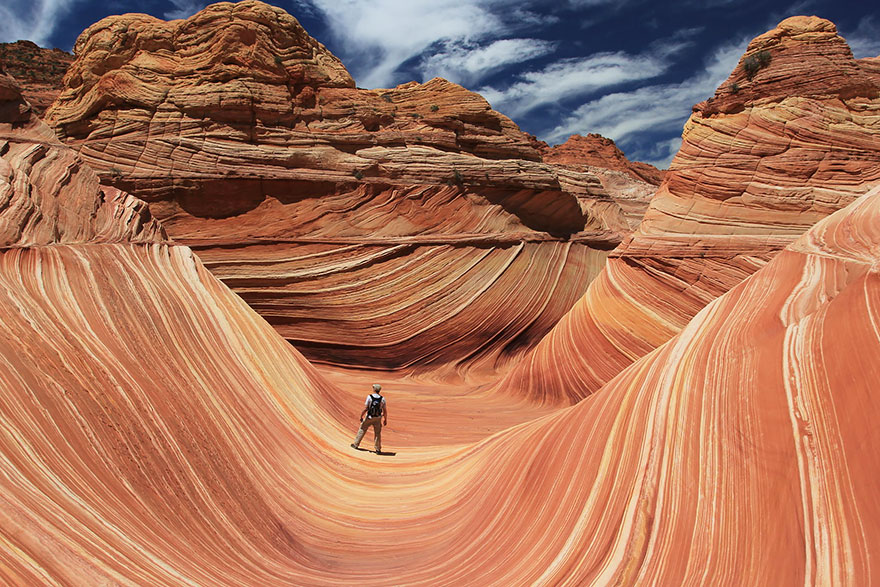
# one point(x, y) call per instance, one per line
point(865, 40)
point(377, 45)
point(31, 20)
point(467, 64)
point(655, 108)
point(184, 8)
point(571, 78)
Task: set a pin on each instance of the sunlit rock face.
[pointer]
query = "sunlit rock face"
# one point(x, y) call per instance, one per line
point(47, 195)
point(122, 360)
point(790, 137)
point(409, 227)
point(155, 430)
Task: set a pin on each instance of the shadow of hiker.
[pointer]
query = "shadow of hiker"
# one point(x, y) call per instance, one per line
point(383, 453)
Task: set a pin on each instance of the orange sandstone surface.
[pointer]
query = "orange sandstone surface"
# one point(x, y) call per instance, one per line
point(790, 137)
point(378, 228)
point(155, 430)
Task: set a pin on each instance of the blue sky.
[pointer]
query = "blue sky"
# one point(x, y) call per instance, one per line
point(627, 69)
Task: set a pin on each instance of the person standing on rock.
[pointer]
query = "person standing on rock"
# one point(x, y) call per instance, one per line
point(375, 414)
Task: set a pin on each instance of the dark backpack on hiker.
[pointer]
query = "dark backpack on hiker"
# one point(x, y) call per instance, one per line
point(375, 409)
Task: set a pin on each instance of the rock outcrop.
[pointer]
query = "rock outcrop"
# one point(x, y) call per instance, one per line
point(594, 150)
point(631, 183)
point(386, 228)
point(37, 71)
point(790, 137)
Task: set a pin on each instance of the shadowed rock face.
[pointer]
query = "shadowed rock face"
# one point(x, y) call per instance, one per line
point(785, 141)
point(37, 71)
point(344, 216)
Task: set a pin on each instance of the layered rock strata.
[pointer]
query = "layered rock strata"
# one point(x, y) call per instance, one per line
point(310, 197)
point(47, 195)
point(790, 137)
point(156, 431)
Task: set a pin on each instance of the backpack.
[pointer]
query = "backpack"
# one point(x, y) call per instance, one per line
point(375, 409)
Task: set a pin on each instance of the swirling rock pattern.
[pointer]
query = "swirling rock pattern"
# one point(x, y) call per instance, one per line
point(251, 143)
point(789, 138)
point(155, 430)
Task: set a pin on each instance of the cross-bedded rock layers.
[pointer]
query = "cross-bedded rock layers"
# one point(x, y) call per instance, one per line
point(413, 226)
point(790, 137)
point(155, 430)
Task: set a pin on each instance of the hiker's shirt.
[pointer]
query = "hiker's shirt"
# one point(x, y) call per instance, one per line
point(367, 405)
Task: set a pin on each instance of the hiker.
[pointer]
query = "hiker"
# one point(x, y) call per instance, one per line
point(376, 413)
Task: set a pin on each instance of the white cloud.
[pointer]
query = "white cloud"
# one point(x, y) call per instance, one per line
point(467, 64)
point(569, 78)
point(865, 40)
point(655, 108)
point(377, 43)
point(31, 20)
point(184, 8)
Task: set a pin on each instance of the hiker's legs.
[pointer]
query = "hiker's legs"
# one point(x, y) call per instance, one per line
point(361, 431)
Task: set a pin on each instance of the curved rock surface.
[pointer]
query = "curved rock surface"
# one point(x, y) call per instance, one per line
point(251, 144)
point(789, 138)
point(155, 430)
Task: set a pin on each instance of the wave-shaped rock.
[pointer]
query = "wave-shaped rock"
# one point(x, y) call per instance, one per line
point(789, 138)
point(251, 143)
point(156, 430)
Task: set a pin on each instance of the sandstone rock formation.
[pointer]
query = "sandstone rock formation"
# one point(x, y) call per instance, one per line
point(38, 71)
point(790, 137)
point(371, 227)
point(632, 183)
point(156, 431)
point(594, 150)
